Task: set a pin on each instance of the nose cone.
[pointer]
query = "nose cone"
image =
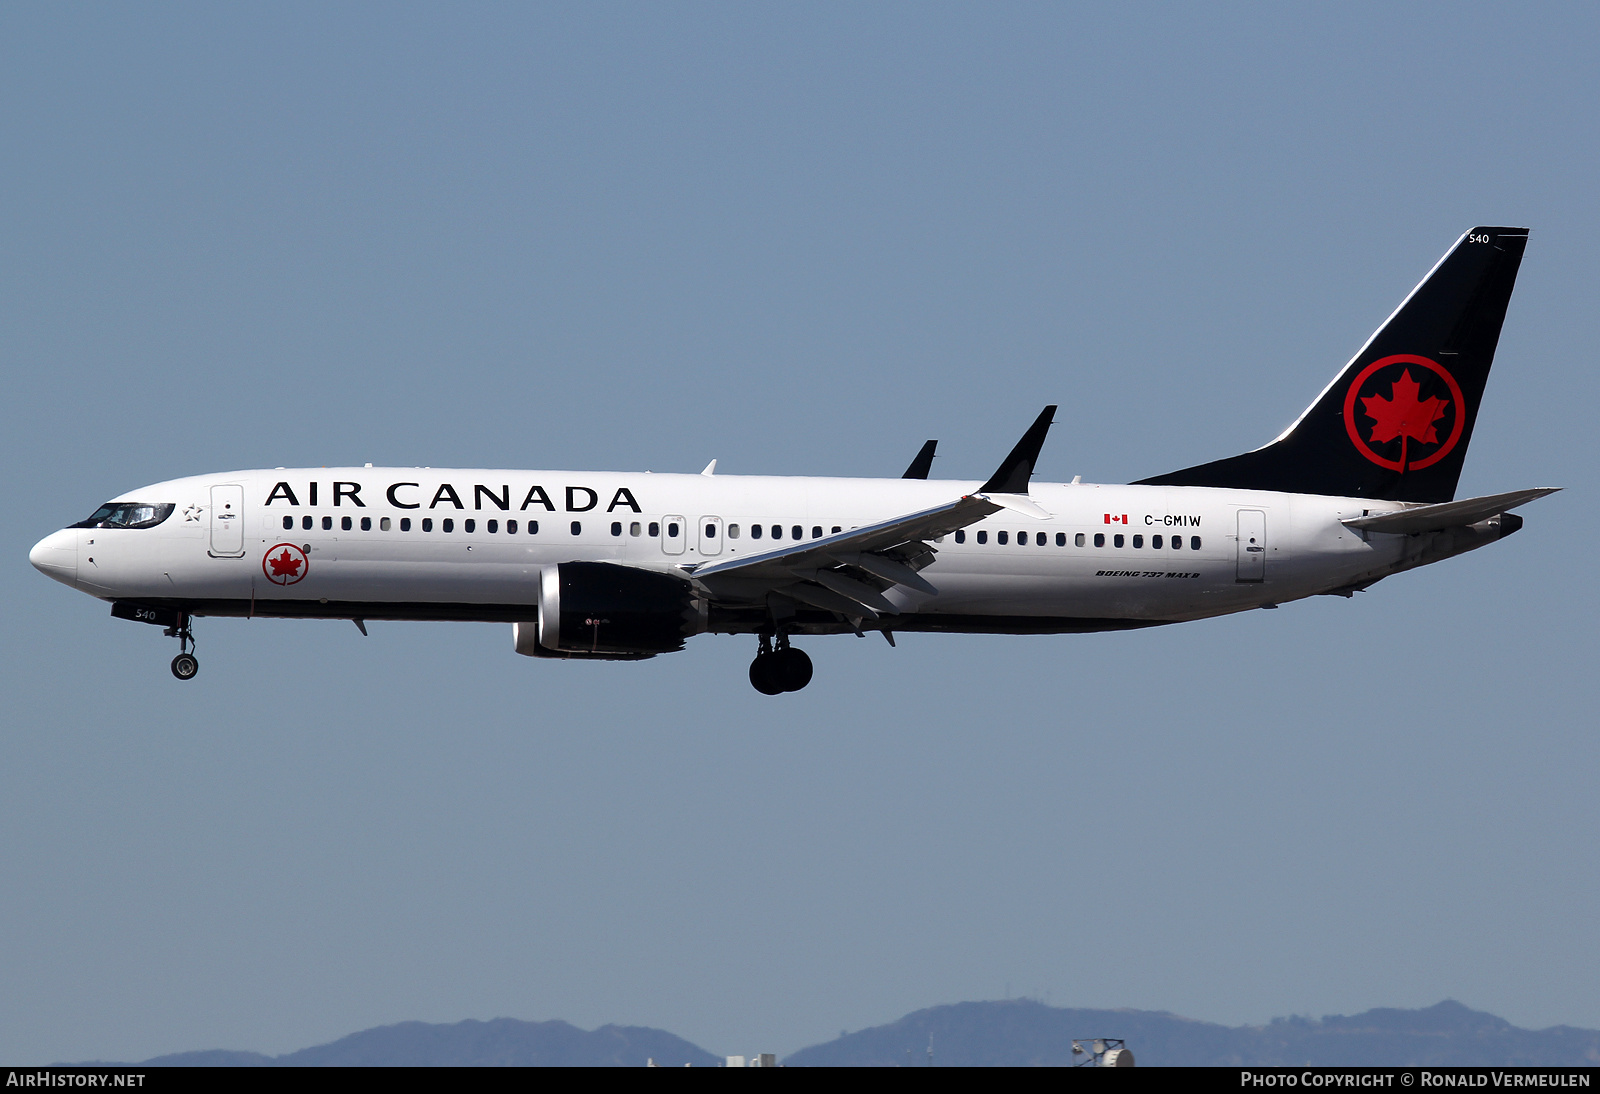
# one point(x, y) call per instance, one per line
point(56, 555)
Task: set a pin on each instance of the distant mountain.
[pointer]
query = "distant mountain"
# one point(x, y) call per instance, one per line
point(1027, 1033)
point(504, 1042)
point(1015, 1033)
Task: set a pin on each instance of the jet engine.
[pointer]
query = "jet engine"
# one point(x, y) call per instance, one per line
point(604, 611)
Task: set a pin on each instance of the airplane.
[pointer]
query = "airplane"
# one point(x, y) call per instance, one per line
point(613, 566)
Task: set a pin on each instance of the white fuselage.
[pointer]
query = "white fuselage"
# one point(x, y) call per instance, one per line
point(376, 545)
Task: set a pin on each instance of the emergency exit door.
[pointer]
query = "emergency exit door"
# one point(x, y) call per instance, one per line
point(710, 529)
point(227, 521)
point(674, 534)
point(1252, 545)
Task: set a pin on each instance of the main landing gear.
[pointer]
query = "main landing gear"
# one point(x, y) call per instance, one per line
point(185, 665)
point(775, 671)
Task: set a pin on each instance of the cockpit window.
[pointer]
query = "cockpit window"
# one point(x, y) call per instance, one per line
point(127, 514)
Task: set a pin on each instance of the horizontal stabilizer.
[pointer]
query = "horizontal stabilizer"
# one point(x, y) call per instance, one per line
point(1450, 514)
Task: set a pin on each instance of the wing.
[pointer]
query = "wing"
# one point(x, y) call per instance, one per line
point(849, 572)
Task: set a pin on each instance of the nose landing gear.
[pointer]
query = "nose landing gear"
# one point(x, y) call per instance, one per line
point(185, 665)
point(775, 671)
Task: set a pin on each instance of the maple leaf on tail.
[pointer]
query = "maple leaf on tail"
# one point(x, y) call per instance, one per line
point(285, 565)
point(1403, 414)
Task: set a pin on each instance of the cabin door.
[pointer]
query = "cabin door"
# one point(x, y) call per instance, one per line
point(1252, 545)
point(227, 521)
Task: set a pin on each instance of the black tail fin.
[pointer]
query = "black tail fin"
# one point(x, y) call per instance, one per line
point(1396, 422)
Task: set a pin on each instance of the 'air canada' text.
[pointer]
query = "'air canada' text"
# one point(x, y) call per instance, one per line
point(412, 495)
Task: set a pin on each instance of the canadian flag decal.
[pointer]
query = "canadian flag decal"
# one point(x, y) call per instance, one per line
point(1116, 518)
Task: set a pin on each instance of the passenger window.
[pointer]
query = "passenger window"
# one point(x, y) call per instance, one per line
point(1099, 539)
point(1155, 542)
point(447, 524)
point(405, 524)
point(468, 525)
point(711, 531)
point(1117, 541)
point(797, 532)
point(1194, 543)
point(816, 531)
point(655, 529)
point(1061, 539)
point(533, 527)
point(1138, 541)
point(491, 526)
point(1077, 540)
point(755, 531)
point(983, 537)
point(835, 530)
point(288, 523)
point(327, 524)
point(577, 527)
point(616, 528)
point(777, 531)
point(634, 529)
point(344, 524)
point(511, 527)
point(961, 535)
point(305, 522)
point(366, 524)
point(427, 524)
point(672, 530)
point(1000, 538)
point(383, 525)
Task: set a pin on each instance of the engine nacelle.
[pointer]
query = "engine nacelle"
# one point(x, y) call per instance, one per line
point(605, 611)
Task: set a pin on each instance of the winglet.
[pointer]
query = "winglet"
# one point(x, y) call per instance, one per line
point(1013, 475)
point(711, 468)
point(923, 463)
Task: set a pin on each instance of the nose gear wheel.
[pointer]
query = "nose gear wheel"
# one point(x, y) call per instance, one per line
point(185, 665)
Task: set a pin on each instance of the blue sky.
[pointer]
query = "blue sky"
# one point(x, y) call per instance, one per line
point(799, 239)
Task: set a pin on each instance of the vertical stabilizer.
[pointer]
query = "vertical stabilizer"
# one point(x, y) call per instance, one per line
point(1396, 422)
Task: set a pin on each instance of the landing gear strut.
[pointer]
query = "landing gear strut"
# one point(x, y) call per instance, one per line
point(185, 665)
point(775, 671)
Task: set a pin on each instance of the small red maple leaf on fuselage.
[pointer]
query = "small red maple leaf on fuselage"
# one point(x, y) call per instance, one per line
point(285, 565)
point(1403, 414)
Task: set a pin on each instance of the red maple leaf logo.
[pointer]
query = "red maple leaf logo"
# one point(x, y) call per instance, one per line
point(1403, 414)
point(285, 565)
